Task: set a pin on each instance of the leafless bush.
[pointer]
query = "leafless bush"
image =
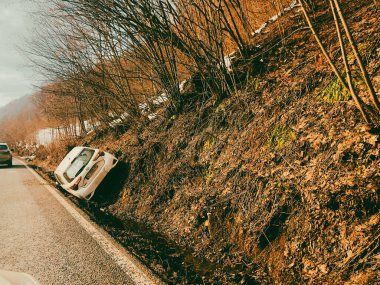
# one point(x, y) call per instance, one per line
point(112, 57)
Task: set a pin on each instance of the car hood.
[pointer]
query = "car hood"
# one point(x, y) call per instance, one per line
point(16, 278)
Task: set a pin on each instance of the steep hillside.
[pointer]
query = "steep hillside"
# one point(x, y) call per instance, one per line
point(17, 107)
point(277, 184)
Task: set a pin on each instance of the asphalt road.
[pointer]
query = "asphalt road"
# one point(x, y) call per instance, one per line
point(38, 236)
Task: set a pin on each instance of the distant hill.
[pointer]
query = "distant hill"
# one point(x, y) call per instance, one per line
point(17, 107)
point(20, 120)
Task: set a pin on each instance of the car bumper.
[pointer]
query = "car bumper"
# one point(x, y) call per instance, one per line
point(5, 158)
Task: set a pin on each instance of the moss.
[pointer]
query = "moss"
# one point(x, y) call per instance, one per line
point(279, 136)
point(209, 144)
point(254, 83)
point(363, 48)
point(222, 106)
point(209, 174)
point(334, 92)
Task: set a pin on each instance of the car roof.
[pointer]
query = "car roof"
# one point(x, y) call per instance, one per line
point(4, 144)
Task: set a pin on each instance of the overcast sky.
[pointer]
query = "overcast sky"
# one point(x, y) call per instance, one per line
point(17, 78)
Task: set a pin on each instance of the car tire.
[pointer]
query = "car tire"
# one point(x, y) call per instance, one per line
point(10, 163)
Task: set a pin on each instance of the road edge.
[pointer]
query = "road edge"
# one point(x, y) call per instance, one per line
point(128, 263)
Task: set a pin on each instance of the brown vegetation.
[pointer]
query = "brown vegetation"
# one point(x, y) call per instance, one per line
point(268, 172)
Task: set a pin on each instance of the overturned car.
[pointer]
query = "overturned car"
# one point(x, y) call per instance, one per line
point(83, 169)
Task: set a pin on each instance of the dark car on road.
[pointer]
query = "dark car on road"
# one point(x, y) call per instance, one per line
point(5, 155)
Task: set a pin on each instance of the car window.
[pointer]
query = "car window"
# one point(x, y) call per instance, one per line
point(3, 147)
point(78, 164)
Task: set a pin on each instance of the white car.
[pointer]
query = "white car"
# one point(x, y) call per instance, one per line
point(83, 169)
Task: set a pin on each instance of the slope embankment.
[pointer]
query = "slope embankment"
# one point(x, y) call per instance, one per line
point(278, 183)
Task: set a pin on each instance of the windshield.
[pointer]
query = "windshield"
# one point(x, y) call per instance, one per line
point(3, 147)
point(78, 164)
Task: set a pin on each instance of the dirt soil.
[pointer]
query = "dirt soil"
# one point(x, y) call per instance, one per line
point(277, 184)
